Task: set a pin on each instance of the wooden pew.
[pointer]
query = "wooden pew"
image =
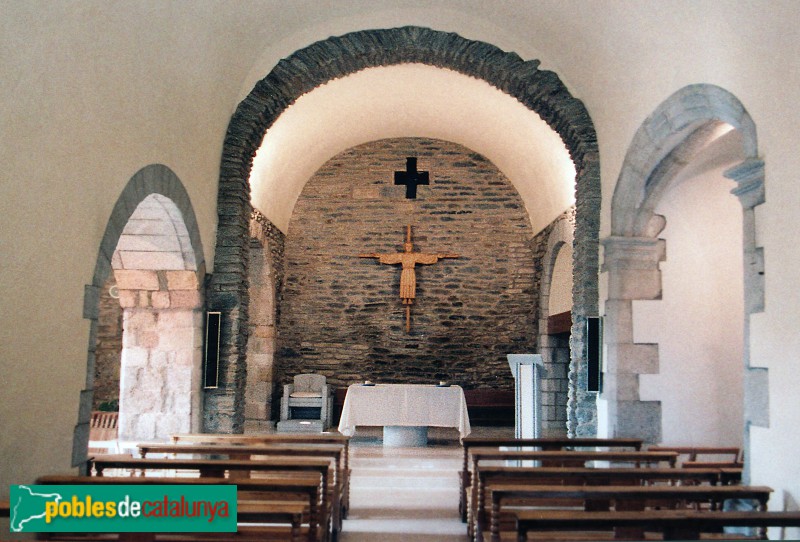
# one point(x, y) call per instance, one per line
point(246, 451)
point(559, 458)
point(273, 499)
point(673, 524)
point(218, 467)
point(544, 444)
point(274, 438)
point(495, 474)
point(692, 456)
point(623, 498)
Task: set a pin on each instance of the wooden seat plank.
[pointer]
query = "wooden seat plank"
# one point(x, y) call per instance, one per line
point(674, 524)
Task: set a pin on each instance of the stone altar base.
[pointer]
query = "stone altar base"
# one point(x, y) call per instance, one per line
point(300, 426)
point(402, 436)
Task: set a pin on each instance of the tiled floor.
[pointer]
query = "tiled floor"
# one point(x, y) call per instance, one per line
point(405, 494)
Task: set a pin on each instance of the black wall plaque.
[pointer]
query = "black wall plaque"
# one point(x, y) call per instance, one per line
point(594, 341)
point(211, 370)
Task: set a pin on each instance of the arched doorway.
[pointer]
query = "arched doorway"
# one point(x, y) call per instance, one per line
point(555, 324)
point(538, 90)
point(151, 254)
point(694, 135)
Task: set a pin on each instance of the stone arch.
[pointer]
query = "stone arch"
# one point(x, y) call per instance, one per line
point(308, 68)
point(662, 145)
point(155, 179)
point(554, 382)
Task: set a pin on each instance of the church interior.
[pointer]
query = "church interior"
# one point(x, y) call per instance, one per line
point(542, 165)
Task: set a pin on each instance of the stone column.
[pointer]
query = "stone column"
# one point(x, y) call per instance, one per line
point(160, 388)
point(750, 190)
point(633, 273)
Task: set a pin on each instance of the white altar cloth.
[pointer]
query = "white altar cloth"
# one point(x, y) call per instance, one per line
point(404, 405)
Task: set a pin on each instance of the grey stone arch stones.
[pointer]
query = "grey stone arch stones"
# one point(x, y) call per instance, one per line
point(633, 251)
point(151, 248)
point(308, 68)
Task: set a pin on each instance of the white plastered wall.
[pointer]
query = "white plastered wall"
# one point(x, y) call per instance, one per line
point(698, 323)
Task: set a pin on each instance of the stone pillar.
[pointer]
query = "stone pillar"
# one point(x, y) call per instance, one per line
point(750, 190)
point(160, 388)
point(633, 273)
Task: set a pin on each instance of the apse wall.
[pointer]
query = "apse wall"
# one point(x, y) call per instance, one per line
point(341, 315)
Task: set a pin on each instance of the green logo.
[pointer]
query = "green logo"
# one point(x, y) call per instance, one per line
point(123, 508)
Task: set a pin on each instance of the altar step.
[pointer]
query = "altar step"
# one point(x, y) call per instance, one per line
point(404, 494)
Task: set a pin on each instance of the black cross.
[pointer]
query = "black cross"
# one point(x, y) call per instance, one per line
point(411, 177)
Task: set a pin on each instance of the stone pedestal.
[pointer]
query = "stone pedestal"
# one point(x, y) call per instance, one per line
point(300, 426)
point(397, 436)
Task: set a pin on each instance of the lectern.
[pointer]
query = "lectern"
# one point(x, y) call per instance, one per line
point(527, 369)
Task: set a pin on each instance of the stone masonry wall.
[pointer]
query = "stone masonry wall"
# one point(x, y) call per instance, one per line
point(341, 314)
point(108, 350)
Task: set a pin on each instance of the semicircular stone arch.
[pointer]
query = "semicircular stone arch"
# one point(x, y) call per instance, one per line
point(633, 252)
point(155, 183)
point(539, 90)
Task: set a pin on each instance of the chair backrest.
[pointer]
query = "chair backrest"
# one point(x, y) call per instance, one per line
point(309, 382)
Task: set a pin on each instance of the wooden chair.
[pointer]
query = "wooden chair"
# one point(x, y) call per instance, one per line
point(103, 436)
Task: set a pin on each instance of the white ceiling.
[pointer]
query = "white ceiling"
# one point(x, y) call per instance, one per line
point(412, 100)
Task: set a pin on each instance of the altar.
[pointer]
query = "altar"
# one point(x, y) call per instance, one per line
point(405, 411)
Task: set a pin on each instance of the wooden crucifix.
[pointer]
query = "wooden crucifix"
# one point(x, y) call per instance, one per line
point(408, 277)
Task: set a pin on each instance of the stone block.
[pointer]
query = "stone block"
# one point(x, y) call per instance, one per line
point(756, 396)
point(152, 260)
point(134, 357)
point(620, 386)
point(129, 299)
point(136, 279)
point(182, 280)
point(185, 299)
point(632, 358)
point(160, 300)
point(640, 419)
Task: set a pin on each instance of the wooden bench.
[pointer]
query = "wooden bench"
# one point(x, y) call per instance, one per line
point(278, 500)
point(547, 443)
point(495, 474)
point(692, 456)
point(622, 498)
point(672, 524)
point(490, 407)
point(216, 468)
point(560, 459)
point(246, 451)
point(274, 438)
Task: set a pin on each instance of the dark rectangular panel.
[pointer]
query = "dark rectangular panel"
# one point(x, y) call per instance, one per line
point(211, 370)
point(594, 340)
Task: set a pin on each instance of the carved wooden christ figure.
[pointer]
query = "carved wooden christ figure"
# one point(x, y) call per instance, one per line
point(408, 277)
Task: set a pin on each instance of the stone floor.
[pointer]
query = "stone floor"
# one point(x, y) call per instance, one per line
point(407, 494)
